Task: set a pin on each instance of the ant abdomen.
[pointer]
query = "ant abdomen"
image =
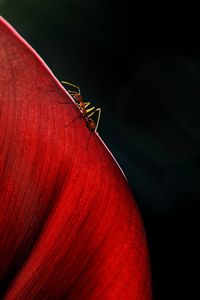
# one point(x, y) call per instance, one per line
point(91, 125)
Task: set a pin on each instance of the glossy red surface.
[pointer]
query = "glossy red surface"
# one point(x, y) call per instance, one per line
point(69, 225)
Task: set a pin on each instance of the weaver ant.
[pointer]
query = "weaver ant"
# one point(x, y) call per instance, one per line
point(83, 107)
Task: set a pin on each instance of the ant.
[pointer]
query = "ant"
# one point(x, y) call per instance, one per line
point(83, 107)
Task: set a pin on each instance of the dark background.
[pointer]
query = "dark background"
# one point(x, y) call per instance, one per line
point(142, 67)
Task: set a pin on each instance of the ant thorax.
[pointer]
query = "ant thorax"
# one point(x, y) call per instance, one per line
point(82, 104)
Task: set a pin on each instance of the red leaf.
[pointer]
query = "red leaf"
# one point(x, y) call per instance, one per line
point(69, 225)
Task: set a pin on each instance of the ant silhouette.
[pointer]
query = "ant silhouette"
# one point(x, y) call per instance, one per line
point(84, 108)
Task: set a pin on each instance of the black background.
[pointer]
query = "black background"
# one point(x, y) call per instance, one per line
point(142, 67)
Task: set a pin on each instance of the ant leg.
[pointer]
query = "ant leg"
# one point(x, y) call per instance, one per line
point(87, 104)
point(90, 109)
point(98, 118)
point(72, 92)
point(73, 85)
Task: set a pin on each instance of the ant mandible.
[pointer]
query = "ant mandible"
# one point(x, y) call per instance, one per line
point(84, 108)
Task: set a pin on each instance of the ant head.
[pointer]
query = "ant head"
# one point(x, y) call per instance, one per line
point(77, 97)
point(91, 125)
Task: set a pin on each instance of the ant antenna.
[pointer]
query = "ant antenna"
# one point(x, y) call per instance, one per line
point(73, 85)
